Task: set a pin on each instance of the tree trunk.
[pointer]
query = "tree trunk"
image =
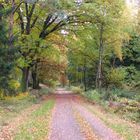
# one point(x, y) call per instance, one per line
point(35, 81)
point(85, 82)
point(24, 81)
point(35, 77)
point(84, 72)
point(99, 71)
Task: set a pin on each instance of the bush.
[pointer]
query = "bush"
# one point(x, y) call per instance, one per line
point(136, 81)
point(20, 96)
point(50, 83)
point(115, 93)
point(131, 109)
point(14, 84)
point(76, 90)
point(116, 77)
point(93, 95)
point(46, 90)
point(1, 94)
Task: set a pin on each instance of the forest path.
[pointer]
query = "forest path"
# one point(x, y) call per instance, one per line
point(70, 120)
point(73, 121)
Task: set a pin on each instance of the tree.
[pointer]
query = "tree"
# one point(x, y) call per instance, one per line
point(108, 29)
point(8, 57)
point(30, 17)
point(99, 39)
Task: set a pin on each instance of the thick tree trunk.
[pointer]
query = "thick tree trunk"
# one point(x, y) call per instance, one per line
point(35, 81)
point(99, 71)
point(35, 77)
point(24, 81)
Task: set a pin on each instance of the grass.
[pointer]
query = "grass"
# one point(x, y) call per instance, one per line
point(120, 122)
point(130, 111)
point(93, 95)
point(37, 126)
point(43, 109)
point(37, 123)
point(12, 106)
point(126, 129)
point(46, 90)
point(76, 90)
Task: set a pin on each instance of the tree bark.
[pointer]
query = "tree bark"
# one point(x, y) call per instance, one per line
point(24, 81)
point(84, 72)
point(35, 77)
point(85, 82)
point(35, 81)
point(99, 71)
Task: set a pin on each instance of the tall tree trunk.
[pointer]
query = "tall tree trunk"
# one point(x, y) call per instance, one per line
point(35, 80)
point(85, 82)
point(35, 77)
point(84, 72)
point(99, 71)
point(24, 80)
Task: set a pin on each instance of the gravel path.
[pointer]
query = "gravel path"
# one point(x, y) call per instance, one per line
point(66, 127)
point(98, 126)
point(71, 120)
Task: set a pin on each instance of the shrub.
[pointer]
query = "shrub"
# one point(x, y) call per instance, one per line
point(1, 94)
point(115, 93)
point(46, 90)
point(50, 83)
point(20, 96)
point(116, 77)
point(76, 90)
point(93, 95)
point(14, 84)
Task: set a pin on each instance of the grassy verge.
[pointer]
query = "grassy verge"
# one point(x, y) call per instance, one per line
point(127, 130)
point(123, 119)
point(119, 118)
point(12, 106)
point(37, 127)
point(120, 102)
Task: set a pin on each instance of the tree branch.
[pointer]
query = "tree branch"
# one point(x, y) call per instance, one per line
point(21, 21)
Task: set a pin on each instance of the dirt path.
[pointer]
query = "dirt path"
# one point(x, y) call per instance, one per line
point(97, 125)
point(71, 120)
point(66, 127)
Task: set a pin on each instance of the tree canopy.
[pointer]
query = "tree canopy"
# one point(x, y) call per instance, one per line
point(83, 42)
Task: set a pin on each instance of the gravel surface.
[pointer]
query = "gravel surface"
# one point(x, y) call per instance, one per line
point(98, 126)
point(64, 126)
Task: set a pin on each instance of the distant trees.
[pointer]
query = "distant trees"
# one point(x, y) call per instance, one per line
point(107, 29)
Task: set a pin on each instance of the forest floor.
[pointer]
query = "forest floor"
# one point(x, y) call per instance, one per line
point(66, 116)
